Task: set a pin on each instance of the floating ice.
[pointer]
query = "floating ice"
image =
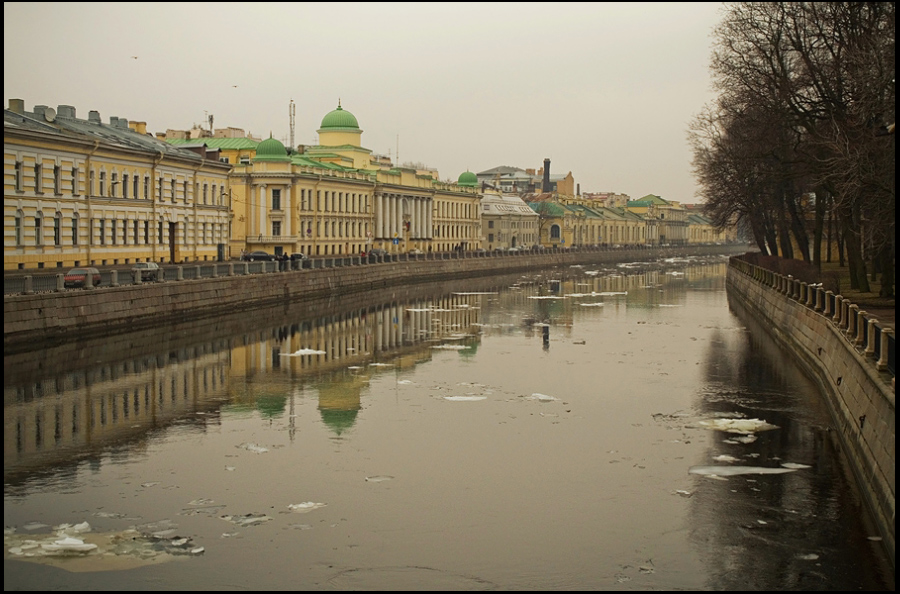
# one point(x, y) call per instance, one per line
point(379, 478)
point(542, 397)
point(544, 297)
point(252, 447)
point(404, 382)
point(609, 293)
point(247, 519)
point(591, 304)
point(68, 544)
point(795, 465)
point(381, 364)
point(303, 352)
point(464, 398)
point(725, 458)
point(745, 426)
point(736, 470)
point(306, 506)
point(808, 557)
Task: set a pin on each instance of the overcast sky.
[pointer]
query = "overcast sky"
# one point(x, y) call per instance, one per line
point(604, 90)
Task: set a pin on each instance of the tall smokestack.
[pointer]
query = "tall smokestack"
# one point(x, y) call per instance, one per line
point(546, 185)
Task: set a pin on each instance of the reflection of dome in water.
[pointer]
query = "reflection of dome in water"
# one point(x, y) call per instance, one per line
point(271, 406)
point(338, 420)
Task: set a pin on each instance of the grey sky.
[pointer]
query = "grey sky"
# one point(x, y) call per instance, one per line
point(605, 90)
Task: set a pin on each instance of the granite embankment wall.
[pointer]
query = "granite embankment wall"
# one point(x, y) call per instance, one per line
point(860, 395)
point(31, 321)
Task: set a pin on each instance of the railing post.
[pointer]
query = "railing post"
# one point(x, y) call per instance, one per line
point(870, 343)
point(89, 280)
point(246, 267)
point(852, 320)
point(838, 309)
point(845, 314)
point(179, 273)
point(114, 278)
point(215, 273)
point(60, 282)
point(231, 269)
point(860, 328)
point(198, 272)
point(820, 293)
point(29, 285)
point(885, 338)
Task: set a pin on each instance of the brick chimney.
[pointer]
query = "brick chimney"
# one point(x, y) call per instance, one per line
point(546, 184)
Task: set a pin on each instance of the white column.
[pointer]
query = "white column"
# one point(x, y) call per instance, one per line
point(379, 216)
point(288, 224)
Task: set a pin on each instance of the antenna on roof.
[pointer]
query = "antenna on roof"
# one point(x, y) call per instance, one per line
point(292, 112)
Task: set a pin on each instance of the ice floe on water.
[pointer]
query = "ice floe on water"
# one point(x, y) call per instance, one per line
point(252, 447)
point(303, 352)
point(247, 519)
point(541, 397)
point(591, 304)
point(380, 478)
point(464, 398)
point(306, 506)
point(721, 471)
point(744, 426)
point(725, 458)
point(77, 548)
point(451, 347)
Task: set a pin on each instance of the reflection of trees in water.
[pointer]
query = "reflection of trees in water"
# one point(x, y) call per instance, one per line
point(778, 517)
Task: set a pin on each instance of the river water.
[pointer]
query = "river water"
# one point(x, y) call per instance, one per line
point(616, 428)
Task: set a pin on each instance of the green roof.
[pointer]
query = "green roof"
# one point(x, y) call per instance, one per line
point(339, 119)
point(467, 178)
point(219, 143)
point(271, 149)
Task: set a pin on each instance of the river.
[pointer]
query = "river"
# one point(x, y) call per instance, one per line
point(613, 427)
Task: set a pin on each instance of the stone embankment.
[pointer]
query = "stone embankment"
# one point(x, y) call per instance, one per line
point(850, 356)
point(31, 321)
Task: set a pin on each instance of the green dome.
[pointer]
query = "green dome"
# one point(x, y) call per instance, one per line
point(468, 179)
point(271, 149)
point(340, 118)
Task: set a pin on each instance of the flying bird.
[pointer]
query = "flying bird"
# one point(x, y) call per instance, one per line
point(234, 86)
point(134, 57)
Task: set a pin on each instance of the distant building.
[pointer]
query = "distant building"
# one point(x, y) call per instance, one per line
point(507, 221)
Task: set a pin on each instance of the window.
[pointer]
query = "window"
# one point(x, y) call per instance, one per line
point(490, 224)
point(75, 188)
point(276, 199)
point(125, 185)
point(19, 176)
point(102, 231)
point(103, 183)
point(146, 232)
point(135, 186)
point(159, 190)
point(91, 183)
point(184, 190)
point(56, 179)
point(223, 159)
point(20, 216)
point(276, 228)
point(172, 190)
point(136, 232)
point(57, 230)
point(160, 232)
point(112, 231)
point(38, 178)
point(146, 187)
point(215, 195)
point(205, 192)
point(38, 229)
point(114, 185)
point(245, 160)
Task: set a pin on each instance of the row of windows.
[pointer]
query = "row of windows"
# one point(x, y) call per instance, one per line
point(333, 201)
point(130, 184)
point(111, 232)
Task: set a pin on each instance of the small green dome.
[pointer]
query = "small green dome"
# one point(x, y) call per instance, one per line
point(271, 149)
point(468, 179)
point(340, 118)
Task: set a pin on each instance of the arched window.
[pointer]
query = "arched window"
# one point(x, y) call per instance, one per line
point(57, 229)
point(38, 228)
point(554, 232)
point(20, 218)
point(75, 222)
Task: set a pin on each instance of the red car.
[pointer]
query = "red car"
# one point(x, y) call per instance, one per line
point(75, 278)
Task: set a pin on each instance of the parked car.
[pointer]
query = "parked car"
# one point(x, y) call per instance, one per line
point(298, 256)
point(258, 256)
point(149, 270)
point(76, 278)
point(415, 252)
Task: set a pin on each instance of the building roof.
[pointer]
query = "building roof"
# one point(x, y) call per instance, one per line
point(115, 135)
point(467, 178)
point(271, 149)
point(339, 119)
point(219, 143)
point(500, 204)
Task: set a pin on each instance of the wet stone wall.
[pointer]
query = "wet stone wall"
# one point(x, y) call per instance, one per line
point(862, 401)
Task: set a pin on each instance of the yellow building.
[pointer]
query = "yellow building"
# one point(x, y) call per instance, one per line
point(335, 198)
point(82, 192)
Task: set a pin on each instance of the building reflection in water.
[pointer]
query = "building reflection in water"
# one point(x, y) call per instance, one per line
point(57, 413)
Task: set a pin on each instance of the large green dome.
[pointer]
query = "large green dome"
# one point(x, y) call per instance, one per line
point(340, 119)
point(467, 179)
point(271, 149)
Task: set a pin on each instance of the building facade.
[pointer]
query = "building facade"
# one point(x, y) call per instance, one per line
point(87, 193)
